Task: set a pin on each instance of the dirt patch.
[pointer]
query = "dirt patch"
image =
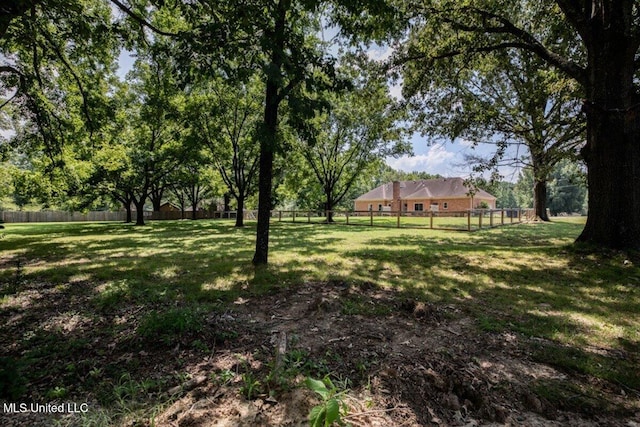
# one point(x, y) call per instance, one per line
point(402, 362)
point(407, 363)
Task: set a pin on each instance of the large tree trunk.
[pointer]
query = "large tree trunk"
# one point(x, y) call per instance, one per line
point(139, 211)
point(156, 198)
point(612, 155)
point(329, 208)
point(612, 152)
point(268, 139)
point(240, 212)
point(540, 199)
point(267, 144)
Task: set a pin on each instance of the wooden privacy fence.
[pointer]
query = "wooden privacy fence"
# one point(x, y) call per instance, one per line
point(469, 220)
point(60, 216)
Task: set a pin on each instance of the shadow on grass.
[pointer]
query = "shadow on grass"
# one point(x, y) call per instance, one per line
point(95, 297)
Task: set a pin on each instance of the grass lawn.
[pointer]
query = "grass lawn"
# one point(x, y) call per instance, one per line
point(131, 284)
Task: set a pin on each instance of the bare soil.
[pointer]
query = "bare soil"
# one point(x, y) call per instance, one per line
point(403, 362)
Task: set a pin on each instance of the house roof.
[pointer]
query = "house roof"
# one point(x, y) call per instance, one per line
point(440, 188)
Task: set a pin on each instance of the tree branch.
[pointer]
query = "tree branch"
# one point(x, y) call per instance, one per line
point(527, 40)
point(141, 20)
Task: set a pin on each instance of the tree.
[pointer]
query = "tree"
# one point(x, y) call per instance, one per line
point(607, 38)
point(193, 181)
point(56, 60)
point(157, 135)
point(567, 188)
point(275, 39)
point(362, 125)
point(228, 115)
point(290, 59)
point(524, 188)
point(113, 172)
point(507, 100)
point(504, 192)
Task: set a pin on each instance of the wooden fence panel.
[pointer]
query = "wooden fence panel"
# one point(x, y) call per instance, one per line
point(59, 216)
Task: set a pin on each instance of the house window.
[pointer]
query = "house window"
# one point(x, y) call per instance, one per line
point(418, 207)
point(405, 207)
point(370, 207)
point(379, 207)
point(445, 205)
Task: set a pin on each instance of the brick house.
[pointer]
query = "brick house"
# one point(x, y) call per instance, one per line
point(442, 194)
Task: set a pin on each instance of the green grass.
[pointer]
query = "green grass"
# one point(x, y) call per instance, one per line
point(524, 273)
point(524, 278)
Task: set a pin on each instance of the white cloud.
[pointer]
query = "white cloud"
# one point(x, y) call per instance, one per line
point(380, 53)
point(436, 160)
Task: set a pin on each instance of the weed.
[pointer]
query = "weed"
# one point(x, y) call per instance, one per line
point(298, 361)
point(571, 397)
point(113, 295)
point(223, 377)
point(332, 405)
point(200, 346)
point(619, 371)
point(57, 392)
point(170, 325)
point(250, 386)
point(490, 324)
point(357, 305)
point(95, 372)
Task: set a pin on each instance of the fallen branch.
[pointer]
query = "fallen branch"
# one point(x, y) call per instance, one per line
point(188, 386)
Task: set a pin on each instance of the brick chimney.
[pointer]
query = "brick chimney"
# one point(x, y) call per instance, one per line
point(395, 205)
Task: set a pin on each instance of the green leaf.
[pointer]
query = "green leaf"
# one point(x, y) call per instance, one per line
point(333, 412)
point(317, 416)
point(317, 386)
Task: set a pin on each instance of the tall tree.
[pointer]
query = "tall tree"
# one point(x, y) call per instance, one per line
point(362, 125)
point(604, 63)
point(277, 40)
point(228, 114)
point(158, 132)
point(190, 184)
point(291, 58)
point(506, 100)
